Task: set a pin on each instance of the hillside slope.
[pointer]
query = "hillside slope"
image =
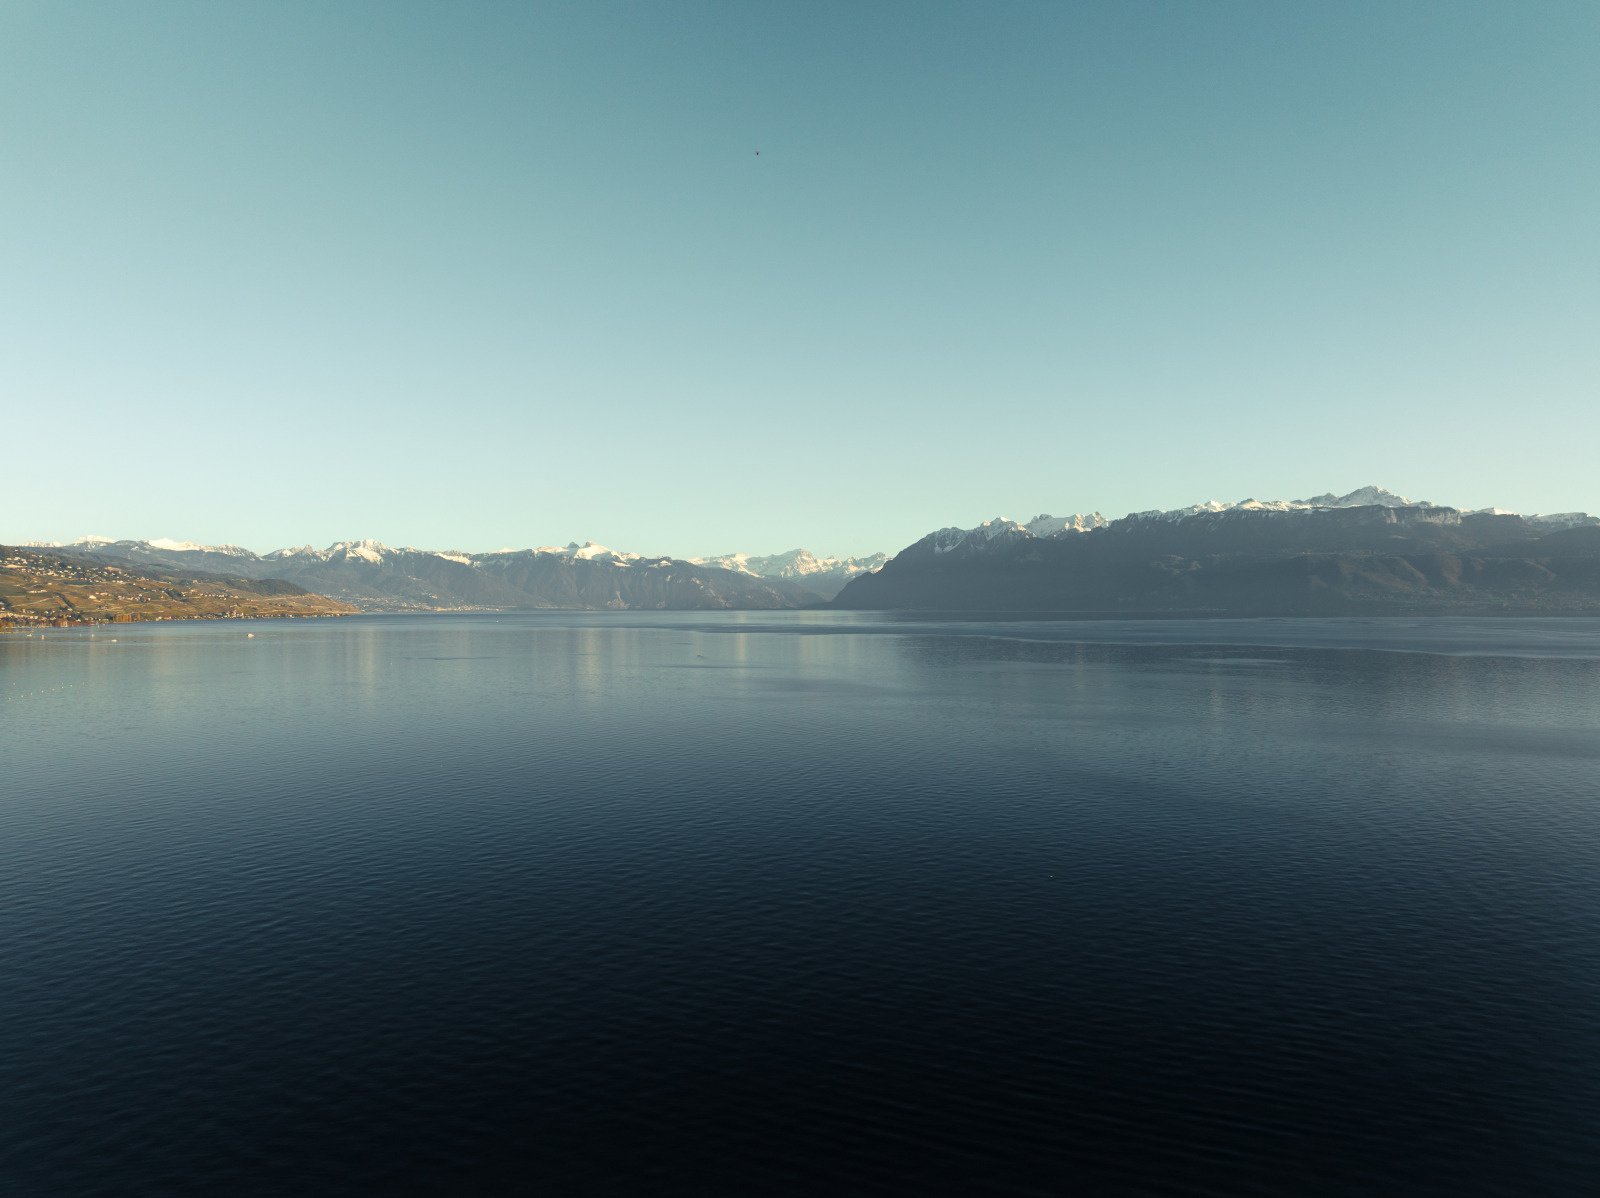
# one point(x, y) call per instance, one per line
point(42, 589)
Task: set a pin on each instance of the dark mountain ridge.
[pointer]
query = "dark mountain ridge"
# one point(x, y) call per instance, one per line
point(1330, 556)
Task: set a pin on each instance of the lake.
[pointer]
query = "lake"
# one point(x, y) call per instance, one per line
point(645, 903)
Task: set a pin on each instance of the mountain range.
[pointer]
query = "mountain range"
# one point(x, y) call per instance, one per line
point(1367, 552)
point(374, 576)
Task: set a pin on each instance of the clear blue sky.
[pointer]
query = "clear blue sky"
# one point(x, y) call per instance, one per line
point(480, 275)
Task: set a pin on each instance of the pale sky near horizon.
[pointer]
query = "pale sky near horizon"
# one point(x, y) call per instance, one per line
point(487, 275)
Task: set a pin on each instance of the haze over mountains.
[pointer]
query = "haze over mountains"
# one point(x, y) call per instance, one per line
point(1368, 551)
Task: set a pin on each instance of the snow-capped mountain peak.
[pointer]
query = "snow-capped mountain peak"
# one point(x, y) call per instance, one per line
point(81, 543)
point(794, 563)
point(1555, 521)
point(1361, 497)
point(589, 551)
point(1044, 525)
point(1041, 526)
point(365, 550)
point(161, 544)
point(950, 538)
point(169, 545)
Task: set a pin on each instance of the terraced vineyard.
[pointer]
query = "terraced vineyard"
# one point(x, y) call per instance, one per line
point(45, 589)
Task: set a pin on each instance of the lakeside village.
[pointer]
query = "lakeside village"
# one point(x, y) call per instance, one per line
point(39, 592)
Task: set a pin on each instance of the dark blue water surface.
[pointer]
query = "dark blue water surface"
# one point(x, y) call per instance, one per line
point(634, 903)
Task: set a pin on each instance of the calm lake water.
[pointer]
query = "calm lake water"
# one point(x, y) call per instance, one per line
point(645, 903)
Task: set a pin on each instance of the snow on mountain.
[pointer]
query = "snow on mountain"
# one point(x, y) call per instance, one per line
point(739, 563)
point(802, 564)
point(367, 551)
point(1361, 497)
point(796, 563)
point(80, 543)
point(1041, 526)
point(1049, 526)
point(589, 551)
point(1559, 520)
point(947, 539)
point(164, 544)
point(171, 546)
point(376, 552)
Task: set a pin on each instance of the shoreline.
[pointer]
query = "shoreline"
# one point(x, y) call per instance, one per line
point(10, 624)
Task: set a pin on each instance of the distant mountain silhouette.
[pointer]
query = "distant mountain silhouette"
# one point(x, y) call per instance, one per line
point(378, 577)
point(1370, 552)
